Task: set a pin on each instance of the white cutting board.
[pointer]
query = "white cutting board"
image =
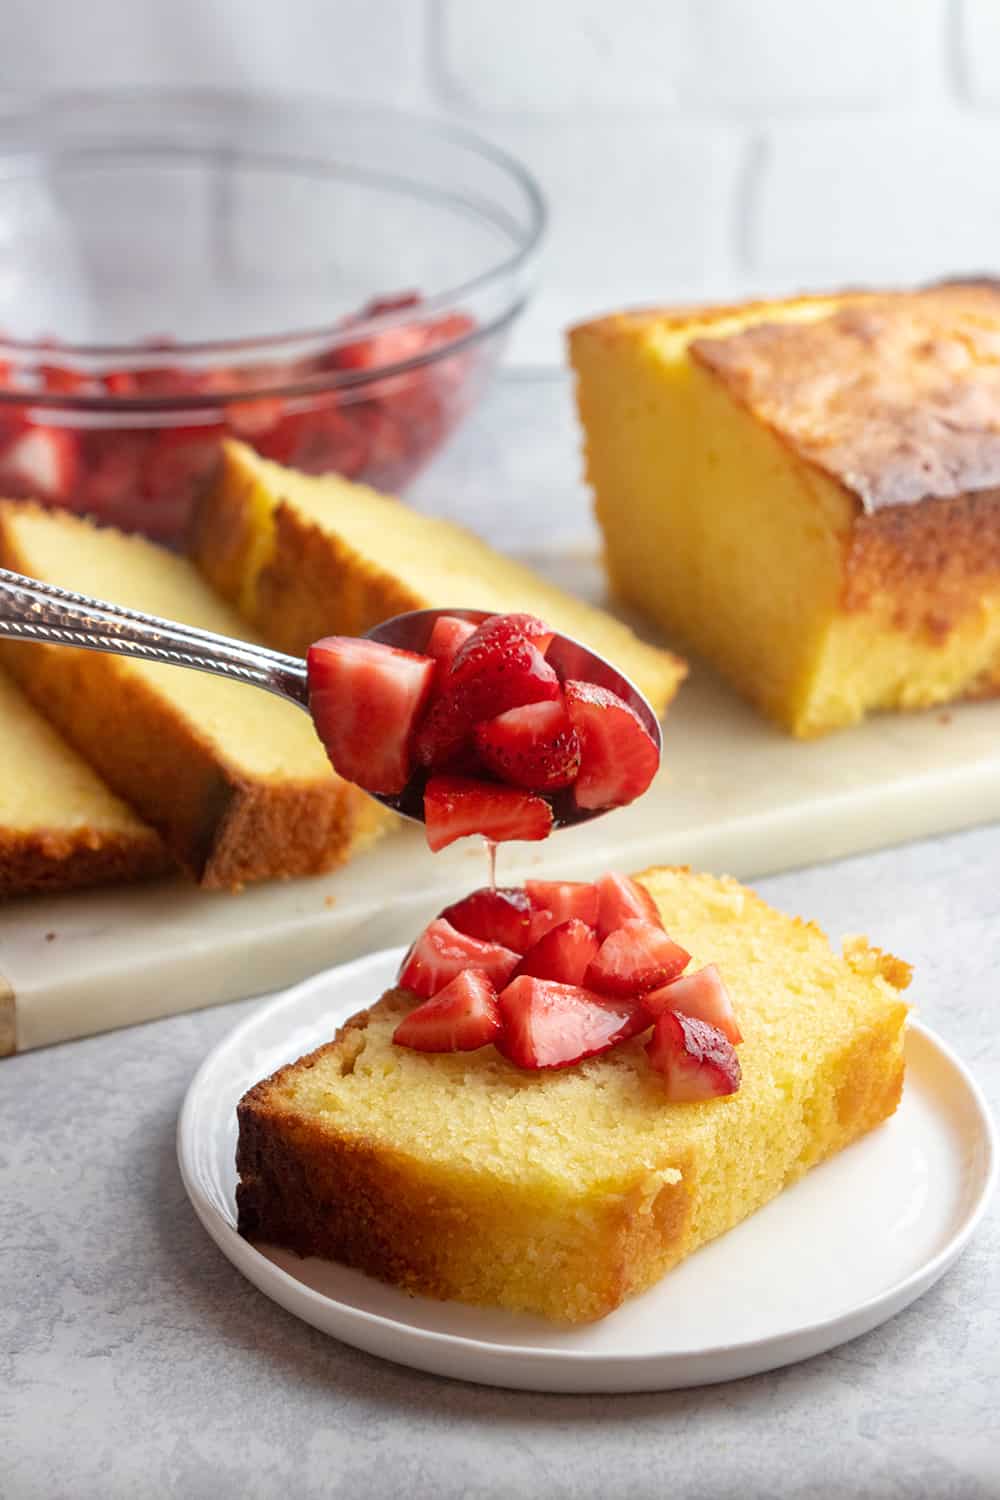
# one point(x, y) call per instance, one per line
point(735, 795)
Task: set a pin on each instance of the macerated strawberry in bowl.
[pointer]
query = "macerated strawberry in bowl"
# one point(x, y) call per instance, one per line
point(501, 968)
point(374, 266)
point(482, 729)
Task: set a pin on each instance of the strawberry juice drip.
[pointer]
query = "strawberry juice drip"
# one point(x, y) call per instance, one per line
point(491, 860)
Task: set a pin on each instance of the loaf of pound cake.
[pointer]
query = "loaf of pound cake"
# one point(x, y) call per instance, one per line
point(807, 492)
point(561, 1193)
point(234, 780)
point(306, 557)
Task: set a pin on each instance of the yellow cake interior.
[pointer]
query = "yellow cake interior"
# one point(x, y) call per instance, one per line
point(45, 787)
point(366, 556)
point(552, 1158)
point(718, 529)
point(254, 731)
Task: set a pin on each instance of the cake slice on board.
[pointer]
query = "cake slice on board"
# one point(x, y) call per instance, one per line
point(821, 478)
point(234, 780)
point(461, 1176)
point(306, 557)
point(60, 826)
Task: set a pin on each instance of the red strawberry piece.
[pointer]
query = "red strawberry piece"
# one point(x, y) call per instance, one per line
point(459, 1018)
point(365, 699)
point(534, 746)
point(499, 668)
point(619, 758)
point(456, 805)
point(394, 302)
point(564, 954)
point(564, 899)
point(446, 638)
point(441, 953)
point(389, 347)
point(180, 463)
point(622, 900)
point(502, 916)
point(61, 380)
point(551, 1025)
point(695, 1059)
point(444, 740)
point(702, 995)
point(42, 462)
point(636, 957)
point(111, 482)
point(321, 440)
point(253, 418)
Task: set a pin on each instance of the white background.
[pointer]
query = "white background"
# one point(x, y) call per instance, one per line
point(689, 148)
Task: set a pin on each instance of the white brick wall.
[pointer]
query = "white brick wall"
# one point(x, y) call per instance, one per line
point(687, 147)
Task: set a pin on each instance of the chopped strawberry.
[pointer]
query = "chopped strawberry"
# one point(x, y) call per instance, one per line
point(702, 995)
point(62, 380)
point(500, 667)
point(441, 952)
point(564, 953)
point(619, 758)
point(253, 418)
point(636, 957)
point(500, 628)
point(365, 699)
point(565, 899)
point(550, 1025)
point(389, 347)
point(534, 746)
point(180, 462)
point(695, 1058)
point(444, 740)
point(321, 440)
point(502, 916)
point(622, 899)
point(456, 805)
point(459, 1018)
point(392, 302)
point(447, 637)
point(42, 462)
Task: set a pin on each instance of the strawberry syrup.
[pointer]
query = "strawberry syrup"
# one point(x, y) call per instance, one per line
point(491, 861)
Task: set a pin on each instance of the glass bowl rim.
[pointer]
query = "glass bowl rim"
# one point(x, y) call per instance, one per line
point(137, 354)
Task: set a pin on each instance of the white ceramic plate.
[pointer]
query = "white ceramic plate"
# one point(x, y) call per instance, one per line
point(852, 1243)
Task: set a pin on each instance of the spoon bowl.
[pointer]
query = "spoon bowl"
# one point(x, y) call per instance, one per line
point(35, 611)
point(411, 632)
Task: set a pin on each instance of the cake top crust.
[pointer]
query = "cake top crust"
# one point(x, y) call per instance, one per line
point(894, 395)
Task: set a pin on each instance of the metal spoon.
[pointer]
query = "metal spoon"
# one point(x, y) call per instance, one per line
point(42, 612)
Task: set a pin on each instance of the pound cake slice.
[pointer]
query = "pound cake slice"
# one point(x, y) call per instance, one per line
point(307, 557)
point(821, 479)
point(60, 826)
point(561, 1193)
point(235, 780)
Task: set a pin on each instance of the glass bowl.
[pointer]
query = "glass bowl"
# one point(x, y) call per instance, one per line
point(331, 284)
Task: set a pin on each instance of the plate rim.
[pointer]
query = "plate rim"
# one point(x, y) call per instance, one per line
point(236, 1249)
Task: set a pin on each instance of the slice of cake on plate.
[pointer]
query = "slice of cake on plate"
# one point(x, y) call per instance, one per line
point(60, 826)
point(306, 557)
point(806, 491)
point(563, 1191)
point(234, 780)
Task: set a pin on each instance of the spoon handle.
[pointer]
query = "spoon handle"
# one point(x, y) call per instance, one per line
point(33, 611)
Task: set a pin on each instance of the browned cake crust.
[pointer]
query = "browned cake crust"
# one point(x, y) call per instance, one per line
point(926, 568)
point(304, 1186)
point(313, 583)
point(47, 862)
point(222, 827)
point(896, 396)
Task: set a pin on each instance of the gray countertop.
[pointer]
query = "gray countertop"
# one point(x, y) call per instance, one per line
point(134, 1360)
